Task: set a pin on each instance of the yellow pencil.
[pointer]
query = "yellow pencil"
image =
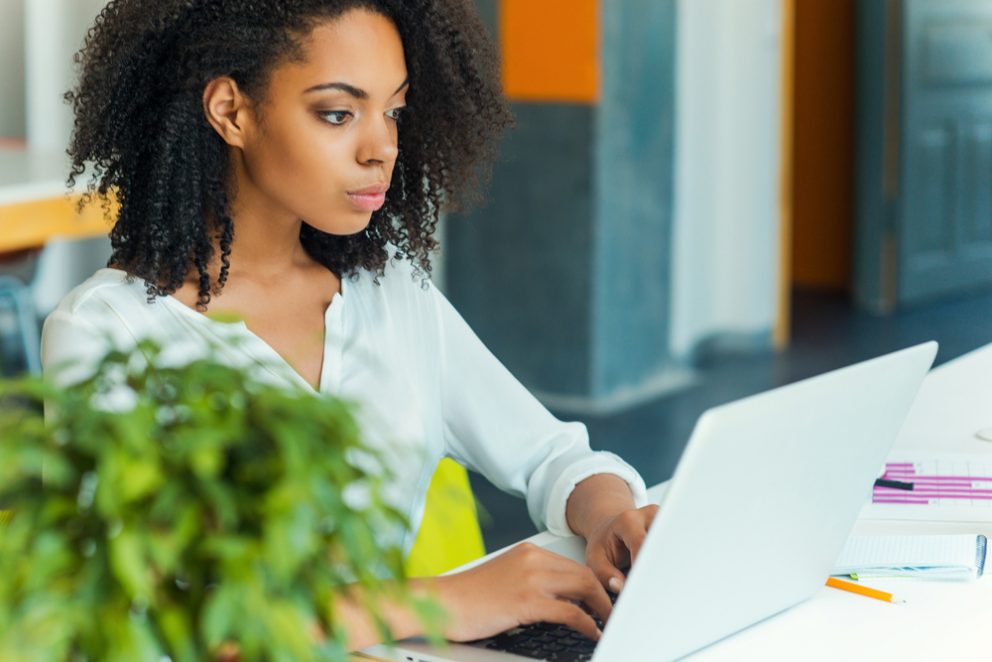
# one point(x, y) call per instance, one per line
point(862, 590)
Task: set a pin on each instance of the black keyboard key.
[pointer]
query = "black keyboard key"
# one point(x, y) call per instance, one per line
point(526, 651)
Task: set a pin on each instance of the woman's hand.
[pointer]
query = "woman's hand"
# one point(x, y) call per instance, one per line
point(527, 584)
point(601, 509)
point(615, 544)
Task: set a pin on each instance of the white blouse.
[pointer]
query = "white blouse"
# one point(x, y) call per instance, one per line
point(424, 384)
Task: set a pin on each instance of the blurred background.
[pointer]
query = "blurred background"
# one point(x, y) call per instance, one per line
point(702, 199)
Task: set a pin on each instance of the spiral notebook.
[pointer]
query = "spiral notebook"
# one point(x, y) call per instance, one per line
point(947, 557)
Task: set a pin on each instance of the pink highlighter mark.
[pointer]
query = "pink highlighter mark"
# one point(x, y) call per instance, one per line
point(928, 487)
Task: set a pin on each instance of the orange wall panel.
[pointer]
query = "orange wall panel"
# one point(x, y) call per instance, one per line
point(550, 50)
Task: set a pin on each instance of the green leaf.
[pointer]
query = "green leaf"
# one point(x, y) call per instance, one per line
point(225, 317)
point(129, 566)
point(178, 632)
point(140, 478)
point(221, 611)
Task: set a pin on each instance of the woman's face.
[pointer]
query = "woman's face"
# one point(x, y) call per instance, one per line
point(325, 143)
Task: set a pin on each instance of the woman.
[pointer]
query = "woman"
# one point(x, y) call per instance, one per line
point(285, 162)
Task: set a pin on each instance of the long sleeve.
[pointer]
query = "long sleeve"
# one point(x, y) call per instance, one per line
point(495, 426)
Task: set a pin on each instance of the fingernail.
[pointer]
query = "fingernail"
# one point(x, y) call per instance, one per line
point(615, 584)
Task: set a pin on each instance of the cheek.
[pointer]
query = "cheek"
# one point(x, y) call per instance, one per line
point(303, 169)
point(308, 174)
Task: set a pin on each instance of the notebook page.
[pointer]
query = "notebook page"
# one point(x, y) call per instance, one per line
point(956, 550)
point(909, 553)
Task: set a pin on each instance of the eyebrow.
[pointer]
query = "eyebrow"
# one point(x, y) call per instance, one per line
point(356, 92)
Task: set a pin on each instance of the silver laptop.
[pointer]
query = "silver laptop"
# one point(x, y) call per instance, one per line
point(758, 509)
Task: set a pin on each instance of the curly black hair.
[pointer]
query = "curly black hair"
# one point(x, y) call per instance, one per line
point(141, 127)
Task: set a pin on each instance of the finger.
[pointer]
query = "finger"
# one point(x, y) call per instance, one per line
point(633, 530)
point(604, 568)
point(633, 539)
point(561, 577)
point(651, 511)
point(582, 585)
point(566, 613)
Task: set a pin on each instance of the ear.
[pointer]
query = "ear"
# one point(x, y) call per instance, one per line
point(227, 110)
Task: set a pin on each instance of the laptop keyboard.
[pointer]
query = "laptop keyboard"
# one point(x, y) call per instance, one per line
point(544, 641)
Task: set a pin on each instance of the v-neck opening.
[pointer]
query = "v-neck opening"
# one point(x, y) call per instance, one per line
point(330, 370)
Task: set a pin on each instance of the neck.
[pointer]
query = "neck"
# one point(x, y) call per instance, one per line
point(266, 237)
point(263, 247)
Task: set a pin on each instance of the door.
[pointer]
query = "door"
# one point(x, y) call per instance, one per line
point(945, 238)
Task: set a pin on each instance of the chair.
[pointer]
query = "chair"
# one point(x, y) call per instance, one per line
point(19, 352)
point(63, 263)
point(449, 534)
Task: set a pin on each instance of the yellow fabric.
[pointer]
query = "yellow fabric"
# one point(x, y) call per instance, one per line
point(449, 534)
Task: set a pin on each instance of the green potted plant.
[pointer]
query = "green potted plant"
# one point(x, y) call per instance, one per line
point(174, 512)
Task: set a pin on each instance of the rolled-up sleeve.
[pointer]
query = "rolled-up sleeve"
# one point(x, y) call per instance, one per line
point(493, 425)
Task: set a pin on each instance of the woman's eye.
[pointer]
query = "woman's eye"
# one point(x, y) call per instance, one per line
point(335, 117)
point(396, 113)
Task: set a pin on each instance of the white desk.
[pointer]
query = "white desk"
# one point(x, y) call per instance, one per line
point(941, 621)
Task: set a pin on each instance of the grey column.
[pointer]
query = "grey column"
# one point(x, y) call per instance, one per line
point(565, 273)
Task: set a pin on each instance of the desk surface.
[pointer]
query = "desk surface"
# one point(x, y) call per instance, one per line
point(35, 204)
point(954, 403)
point(941, 620)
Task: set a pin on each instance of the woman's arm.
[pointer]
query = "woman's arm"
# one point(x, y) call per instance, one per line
point(361, 630)
point(527, 584)
point(495, 426)
point(596, 500)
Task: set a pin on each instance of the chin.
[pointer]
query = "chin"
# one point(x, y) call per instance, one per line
point(337, 228)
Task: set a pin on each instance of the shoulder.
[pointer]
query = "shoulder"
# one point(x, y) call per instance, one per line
point(105, 290)
point(402, 283)
point(110, 301)
point(400, 304)
point(77, 333)
point(107, 310)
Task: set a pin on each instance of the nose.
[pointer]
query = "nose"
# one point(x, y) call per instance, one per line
point(379, 142)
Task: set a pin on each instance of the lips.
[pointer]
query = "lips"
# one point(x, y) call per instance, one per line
point(376, 189)
point(370, 198)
